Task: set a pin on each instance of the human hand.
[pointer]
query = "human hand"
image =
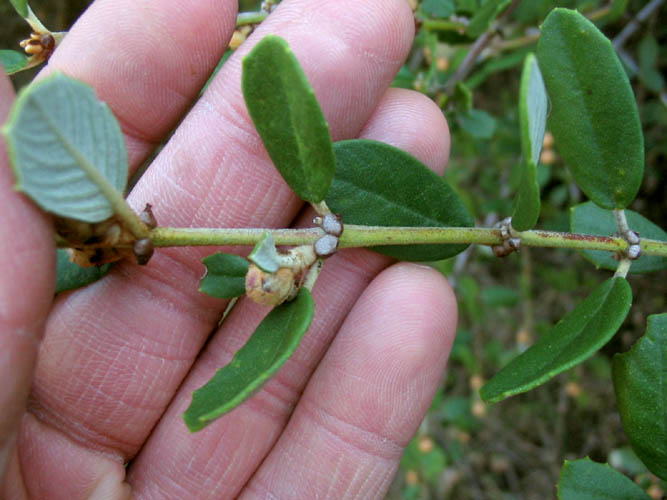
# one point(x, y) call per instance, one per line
point(118, 360)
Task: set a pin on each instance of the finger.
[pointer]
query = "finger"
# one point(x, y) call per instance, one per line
point(26, 290)
point(368, 396)
point(223, 456)
point(144, 327)
point(147, 60)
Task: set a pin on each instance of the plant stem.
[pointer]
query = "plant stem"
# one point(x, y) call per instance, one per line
point(365, 236)
point(476, 48)
point(442, 25)
point(244, 18)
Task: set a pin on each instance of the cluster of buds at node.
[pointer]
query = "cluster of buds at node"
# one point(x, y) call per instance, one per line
point(94, 244)
point(511, 239)
point(274, 288)
point(39, 45)
point(634, 250)
point(333, 227)
point(287, 271)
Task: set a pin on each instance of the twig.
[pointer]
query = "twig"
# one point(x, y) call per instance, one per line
point(629, 30)
point(477, 47)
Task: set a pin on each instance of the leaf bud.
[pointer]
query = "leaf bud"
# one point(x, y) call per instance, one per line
point(326, 245)
point(270, 289)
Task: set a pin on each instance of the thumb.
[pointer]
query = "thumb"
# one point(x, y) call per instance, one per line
point(27, 276)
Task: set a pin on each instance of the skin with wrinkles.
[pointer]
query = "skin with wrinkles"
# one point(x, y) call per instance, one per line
point(119, 359)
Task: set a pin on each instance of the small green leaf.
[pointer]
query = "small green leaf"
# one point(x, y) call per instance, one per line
point(288, 118)
point(66, 149)
point(588, 218)
point(573, 339)
point(21, 6)
point(533, 121)
point(438, 8)
point(380, 185)
point(273, 342)
point(587, 480)
point(70, 276)
point(594, 118)
point(477, 123)
point(225, 275)
point(484, 16)
point(265, 254)
point(640, 382)
point(13, 61)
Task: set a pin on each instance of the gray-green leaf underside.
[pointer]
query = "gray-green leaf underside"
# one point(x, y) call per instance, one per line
point(532, 120)
point(66, 149)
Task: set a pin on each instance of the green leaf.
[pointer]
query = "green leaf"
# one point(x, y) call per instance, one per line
point(288, 118)
point(225, 275)
point(573, 339)
point(21, 6)
point(594, 118)
point(66, 149)
point(265, 254)
point(587, 218)
point(273, 342)
point(477, 123)
point(533, 121)
point(438, 8)
point(70, 276)
point(13, 61)
point(640, 382)
point(380, 185)
point(484, 16)
point(587, 480)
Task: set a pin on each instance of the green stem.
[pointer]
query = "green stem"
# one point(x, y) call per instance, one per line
point(365, 236)
point(442, 25)
point(250, 18)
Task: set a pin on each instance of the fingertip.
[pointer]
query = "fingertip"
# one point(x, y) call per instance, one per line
point(427, 138)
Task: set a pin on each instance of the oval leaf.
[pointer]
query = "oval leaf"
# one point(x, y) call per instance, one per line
point(533, 121)
point(70, 276)
point(273, 342)
point(588, 218)
point(640, 382)
point(225, 275)
point(66, 149)
point(594, 118)
point(573, 339)
point(12, 61)
point(380, 185)
point(288, 118)
point(587, 480)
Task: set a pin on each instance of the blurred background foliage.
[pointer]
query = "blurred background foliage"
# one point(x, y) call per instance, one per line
point(465, 449)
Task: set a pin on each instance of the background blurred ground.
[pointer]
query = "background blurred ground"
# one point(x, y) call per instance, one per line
point(514, 449)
